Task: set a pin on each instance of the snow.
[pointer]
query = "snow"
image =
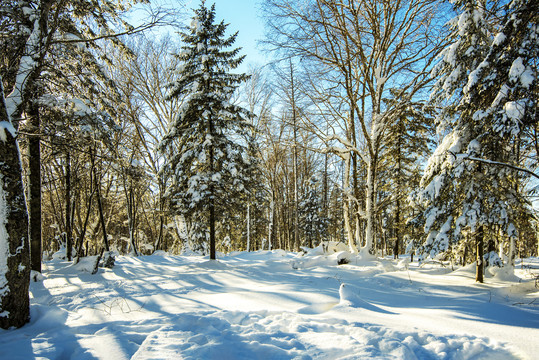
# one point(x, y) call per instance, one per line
point(464, 23)
point(195, 24)
point(499, 39)
point(520, 72)
point(450, 54)
point(517, 69)
point(26, 66)
point(515, 110)
point(86, 264)
point(6, 126)
point(255, 305)
point(527, 77)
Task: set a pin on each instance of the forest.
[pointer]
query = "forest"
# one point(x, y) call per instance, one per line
point(394, 127)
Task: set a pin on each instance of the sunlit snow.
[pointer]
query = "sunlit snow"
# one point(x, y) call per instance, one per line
point(258, 306)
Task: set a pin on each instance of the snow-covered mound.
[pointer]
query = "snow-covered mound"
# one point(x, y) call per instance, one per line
point(349, 295)
point(327, 253)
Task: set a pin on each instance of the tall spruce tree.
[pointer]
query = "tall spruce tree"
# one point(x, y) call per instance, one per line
point(488, 91)
point(408, 142)
point(207, 154)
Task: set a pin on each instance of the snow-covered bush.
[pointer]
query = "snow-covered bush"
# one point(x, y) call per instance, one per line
point(328, 252)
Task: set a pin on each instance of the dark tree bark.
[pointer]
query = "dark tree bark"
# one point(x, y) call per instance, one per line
point(479, 238)
point(15, 281)
point(397, 226)
point(159, 241)
point(212, 199)
point(87, 217)
point(397, 229)
point(34, 188)
point(69, 240)
point(100, 208)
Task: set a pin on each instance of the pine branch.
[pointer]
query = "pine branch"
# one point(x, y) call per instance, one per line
point(492, 162)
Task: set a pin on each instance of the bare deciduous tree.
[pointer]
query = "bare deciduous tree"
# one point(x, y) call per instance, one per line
point(360, 50)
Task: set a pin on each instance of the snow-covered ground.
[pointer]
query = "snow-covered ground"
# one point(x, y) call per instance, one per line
point(272, 305)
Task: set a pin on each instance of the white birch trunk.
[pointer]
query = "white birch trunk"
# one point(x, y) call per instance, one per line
point(512, 251)
point(368, 249)
point(182, 232)
point(346, 206)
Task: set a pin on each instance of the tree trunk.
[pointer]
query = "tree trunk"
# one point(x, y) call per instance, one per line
point(34, 188)
point(14, 246)
point(346, 206)
point(248, 227)
point(296, 195)
point(397, 226)
point(325, 206)
point(69, 240)
point(397, 229)
point(160, 238)
point(159, 241)
point(271, 217)
point(479, 239)
point(212, 198)
point(212, 229)
point(100, 208)
point(370, 211)
point(512, 251)
point(131, 217)
point(84, 226)
point(88, 209)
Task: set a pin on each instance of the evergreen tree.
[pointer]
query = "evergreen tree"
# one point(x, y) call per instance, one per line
point(488, 91)
point(408, 142)
point(206, 147)
point(313, 223)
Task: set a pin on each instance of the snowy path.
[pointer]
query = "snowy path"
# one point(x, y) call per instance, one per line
point(255, 306)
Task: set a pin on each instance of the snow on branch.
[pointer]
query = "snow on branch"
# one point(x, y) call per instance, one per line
point(27, 65)
point(342, 152)
point(492, 162)
point(5, 125)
